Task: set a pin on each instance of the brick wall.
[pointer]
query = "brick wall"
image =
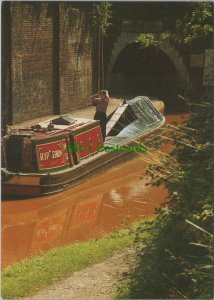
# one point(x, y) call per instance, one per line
point(76, 56)
point(6, 110)
point(32, 48)
point(52, 54)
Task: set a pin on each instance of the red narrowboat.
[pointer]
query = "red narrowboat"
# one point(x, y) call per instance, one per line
point(55, 154)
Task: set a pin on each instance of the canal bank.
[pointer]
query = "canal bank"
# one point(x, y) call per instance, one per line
point(86, 112)
point(50, 269)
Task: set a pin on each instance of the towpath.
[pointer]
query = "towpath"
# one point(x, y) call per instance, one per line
point(99, 281)
point(86, 112)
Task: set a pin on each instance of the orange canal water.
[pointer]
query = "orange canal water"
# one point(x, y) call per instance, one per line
point(101, 204)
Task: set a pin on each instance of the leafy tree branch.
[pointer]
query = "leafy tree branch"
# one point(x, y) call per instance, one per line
point(196, 24)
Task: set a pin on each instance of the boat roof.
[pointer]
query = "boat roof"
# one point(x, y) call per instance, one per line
point(43, 133)
point(145, 117)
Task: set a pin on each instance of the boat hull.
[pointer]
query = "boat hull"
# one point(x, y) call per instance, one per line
point(33, 185)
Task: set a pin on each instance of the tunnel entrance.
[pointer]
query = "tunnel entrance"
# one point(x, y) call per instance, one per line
point(148, 72)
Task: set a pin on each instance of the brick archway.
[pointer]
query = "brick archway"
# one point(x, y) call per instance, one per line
point(127, 38)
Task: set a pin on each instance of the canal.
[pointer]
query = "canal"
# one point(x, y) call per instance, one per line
point(102, 204)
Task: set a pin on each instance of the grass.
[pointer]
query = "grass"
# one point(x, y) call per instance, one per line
point(32, 274)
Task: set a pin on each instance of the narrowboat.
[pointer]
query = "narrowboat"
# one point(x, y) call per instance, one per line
point(53, 155)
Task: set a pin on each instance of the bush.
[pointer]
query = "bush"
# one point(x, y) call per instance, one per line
point(177, 262)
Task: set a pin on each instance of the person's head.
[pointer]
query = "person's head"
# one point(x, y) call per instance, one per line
point(103, 93)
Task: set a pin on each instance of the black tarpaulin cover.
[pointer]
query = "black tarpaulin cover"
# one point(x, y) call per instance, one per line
point(142, 117)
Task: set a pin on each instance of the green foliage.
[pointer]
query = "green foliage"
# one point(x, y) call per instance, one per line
point(145, 39)
point(177, 260)
point(101, 16)
point(196, 24)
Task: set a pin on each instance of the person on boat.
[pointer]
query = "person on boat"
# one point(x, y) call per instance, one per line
point(101, 100)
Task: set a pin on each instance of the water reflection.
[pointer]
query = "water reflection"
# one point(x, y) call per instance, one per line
point(116, 197)
point(102, 204)
point(99, 205)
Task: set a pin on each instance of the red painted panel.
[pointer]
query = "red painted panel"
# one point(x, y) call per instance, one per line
point(52, 155)
point(89, 141)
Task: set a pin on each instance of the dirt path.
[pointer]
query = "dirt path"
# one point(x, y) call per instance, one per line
point(99, 281)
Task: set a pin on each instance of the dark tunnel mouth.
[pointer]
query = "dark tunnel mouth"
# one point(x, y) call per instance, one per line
point(146, 72)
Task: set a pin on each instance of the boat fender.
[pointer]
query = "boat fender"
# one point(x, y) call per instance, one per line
point(5, 174)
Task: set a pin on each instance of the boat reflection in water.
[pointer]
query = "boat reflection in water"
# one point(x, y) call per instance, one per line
point(102, 204)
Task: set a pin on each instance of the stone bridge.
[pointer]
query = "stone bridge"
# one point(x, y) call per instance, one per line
point(125, 51)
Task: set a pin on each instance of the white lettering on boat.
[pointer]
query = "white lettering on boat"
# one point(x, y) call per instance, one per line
point(50, 154)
